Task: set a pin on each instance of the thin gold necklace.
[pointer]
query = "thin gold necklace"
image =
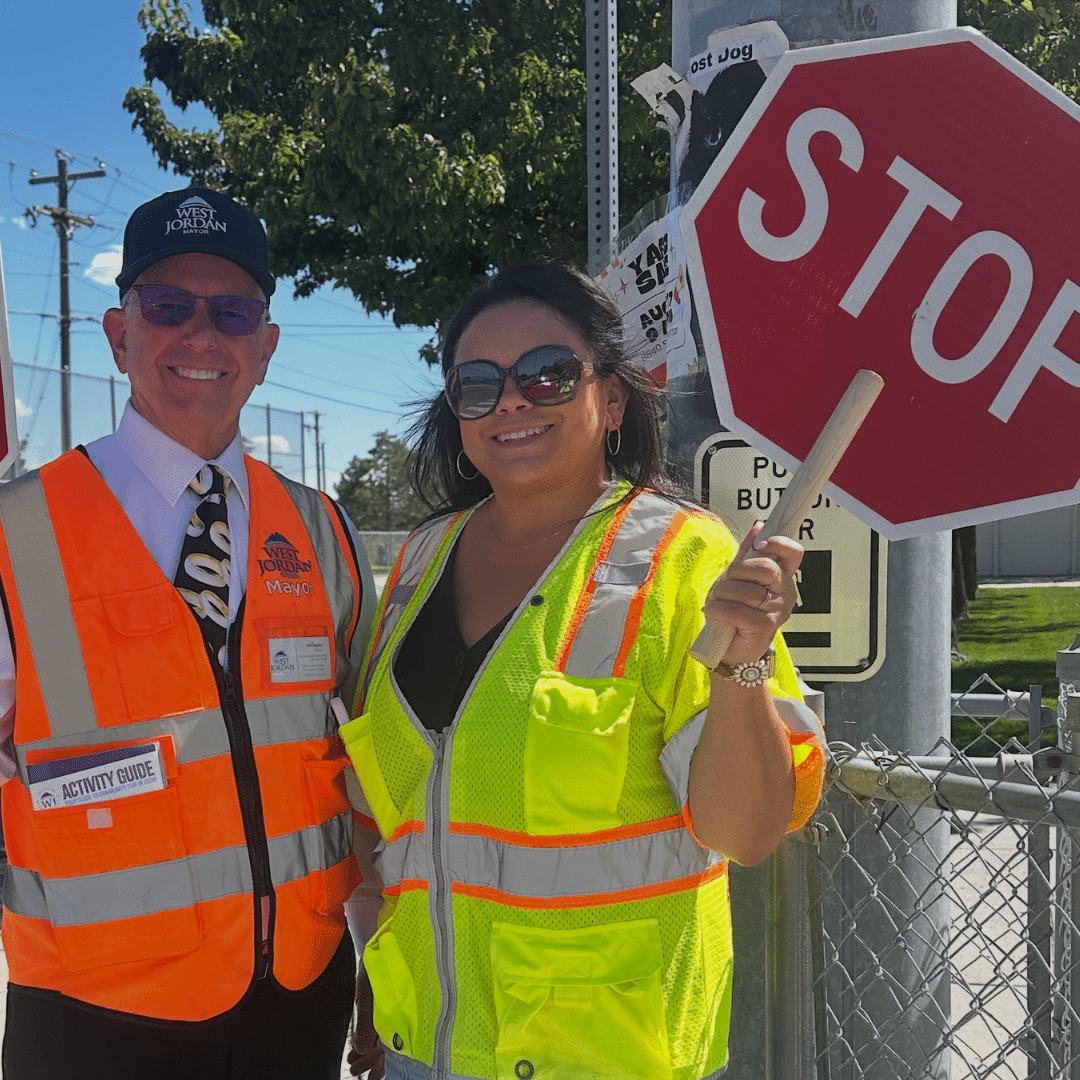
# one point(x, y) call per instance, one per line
point(490, 521)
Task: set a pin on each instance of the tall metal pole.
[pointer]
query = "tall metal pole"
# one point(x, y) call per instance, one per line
point(906, 703)
point(303, 447)
point(602, 126)
point(65, 223)
point(318, 456)
point(65, 309)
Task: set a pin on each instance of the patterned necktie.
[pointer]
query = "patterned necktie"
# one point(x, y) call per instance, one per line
point(202, 578)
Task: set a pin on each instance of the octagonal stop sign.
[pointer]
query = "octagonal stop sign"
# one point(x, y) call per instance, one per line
point(912, 205)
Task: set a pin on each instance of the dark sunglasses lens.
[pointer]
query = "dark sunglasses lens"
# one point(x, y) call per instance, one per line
point(236, 316)
point(165, 306)
point(472, 389)
point(549, 375)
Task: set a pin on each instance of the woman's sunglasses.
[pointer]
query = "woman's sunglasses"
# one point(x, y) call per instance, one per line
point(548, 375)
point(164, 305)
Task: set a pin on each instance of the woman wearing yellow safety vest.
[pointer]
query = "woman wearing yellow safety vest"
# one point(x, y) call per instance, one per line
point(557, 786)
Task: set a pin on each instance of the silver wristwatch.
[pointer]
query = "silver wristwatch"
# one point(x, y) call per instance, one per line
point(754, 673)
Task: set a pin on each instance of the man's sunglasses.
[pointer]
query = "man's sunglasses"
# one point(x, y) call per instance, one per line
point(547, 375)
point(165, 305)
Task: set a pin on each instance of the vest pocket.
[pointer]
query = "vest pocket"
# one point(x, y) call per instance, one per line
point(329, 805)
point(401, 752)
point(105, 906)
point(576, 1003)
point(576, 750)
point(147, 633)
point(395, 1013)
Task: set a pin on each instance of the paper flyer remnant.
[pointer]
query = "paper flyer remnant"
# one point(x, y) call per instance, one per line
point(647, 280)
point(702, 108)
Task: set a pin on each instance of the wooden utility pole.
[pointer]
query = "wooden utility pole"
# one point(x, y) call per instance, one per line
point(65, 223)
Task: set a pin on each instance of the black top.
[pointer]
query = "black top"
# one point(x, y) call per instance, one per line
point(433, 667)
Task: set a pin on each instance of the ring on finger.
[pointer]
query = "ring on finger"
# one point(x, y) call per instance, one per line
point(767, 598)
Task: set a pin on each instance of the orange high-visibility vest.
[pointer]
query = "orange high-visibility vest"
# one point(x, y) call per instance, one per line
point(168, 903)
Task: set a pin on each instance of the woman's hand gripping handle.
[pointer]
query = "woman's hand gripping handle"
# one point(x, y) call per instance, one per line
point(716, 636)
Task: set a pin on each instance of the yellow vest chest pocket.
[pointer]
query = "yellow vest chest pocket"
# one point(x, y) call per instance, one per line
point(577, 746)
point(579, 1003)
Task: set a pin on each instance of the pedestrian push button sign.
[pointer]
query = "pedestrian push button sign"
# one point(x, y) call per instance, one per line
point(836, 632)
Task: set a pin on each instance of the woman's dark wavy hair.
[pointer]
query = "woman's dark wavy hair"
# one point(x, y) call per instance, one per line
point(435, 435)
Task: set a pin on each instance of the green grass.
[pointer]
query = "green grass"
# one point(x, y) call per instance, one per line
point(1013, 635)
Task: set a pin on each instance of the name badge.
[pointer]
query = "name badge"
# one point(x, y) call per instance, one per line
point(299, 659)
point(102, 777)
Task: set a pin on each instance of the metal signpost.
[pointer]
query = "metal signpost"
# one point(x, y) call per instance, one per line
point(908, 696)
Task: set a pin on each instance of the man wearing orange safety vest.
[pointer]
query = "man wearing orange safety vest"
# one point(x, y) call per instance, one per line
point(179, 619)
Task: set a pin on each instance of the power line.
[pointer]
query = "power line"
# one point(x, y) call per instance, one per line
point(326, 397)
point(347, 326)
point(335, 382)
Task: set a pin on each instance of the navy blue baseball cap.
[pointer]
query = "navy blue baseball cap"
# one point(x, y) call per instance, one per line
point(195, 219)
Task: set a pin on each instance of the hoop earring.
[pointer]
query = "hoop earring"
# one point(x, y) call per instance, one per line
point(460, 471)
point(614, 451)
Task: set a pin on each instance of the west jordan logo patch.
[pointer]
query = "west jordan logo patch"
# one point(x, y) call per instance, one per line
point(282, 559)
point(195, 217)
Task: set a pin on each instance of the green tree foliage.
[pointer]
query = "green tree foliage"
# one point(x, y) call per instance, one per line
point(1042, 34)
point(375, 491)
point(400, 148)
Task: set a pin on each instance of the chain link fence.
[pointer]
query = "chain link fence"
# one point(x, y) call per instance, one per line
point(941, 923)
point(383, 548)
point(276, 436)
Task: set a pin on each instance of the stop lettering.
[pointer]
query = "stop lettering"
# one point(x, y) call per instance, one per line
point(905, 204)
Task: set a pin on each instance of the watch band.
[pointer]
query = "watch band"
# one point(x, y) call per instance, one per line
point(754, 673)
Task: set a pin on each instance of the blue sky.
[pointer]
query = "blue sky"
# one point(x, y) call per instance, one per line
point(66, 65)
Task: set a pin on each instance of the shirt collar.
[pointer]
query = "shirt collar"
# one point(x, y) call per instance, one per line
point(170, 466)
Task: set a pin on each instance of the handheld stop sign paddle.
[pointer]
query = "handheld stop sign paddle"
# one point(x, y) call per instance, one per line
point(805, 486)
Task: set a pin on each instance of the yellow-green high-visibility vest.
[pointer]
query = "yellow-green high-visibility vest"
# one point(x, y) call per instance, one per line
point(548, 912)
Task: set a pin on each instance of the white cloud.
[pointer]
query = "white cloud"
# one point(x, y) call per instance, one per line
point(22, 410)
point(278, 443)
point(19, 223)
point(106, 265)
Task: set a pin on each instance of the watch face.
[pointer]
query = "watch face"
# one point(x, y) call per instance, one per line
point(752, 674)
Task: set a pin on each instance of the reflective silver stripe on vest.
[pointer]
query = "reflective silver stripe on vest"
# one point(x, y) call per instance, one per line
point(799, 717)
point(555, 872)
point(626, 568)
point(177, 883)
point(317, 847)
point(50, 626)
point(201, 735)
point(335, 566)
point(416, 554)
point(676, 756)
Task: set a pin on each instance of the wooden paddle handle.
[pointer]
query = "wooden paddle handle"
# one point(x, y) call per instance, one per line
point(805, 486)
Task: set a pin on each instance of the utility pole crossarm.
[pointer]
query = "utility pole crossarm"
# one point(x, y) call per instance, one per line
point(65, 223)
point(58, 214)
point(70, 176)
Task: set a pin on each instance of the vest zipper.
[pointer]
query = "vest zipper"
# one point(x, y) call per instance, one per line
point(441, 905)
point(230, 691)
